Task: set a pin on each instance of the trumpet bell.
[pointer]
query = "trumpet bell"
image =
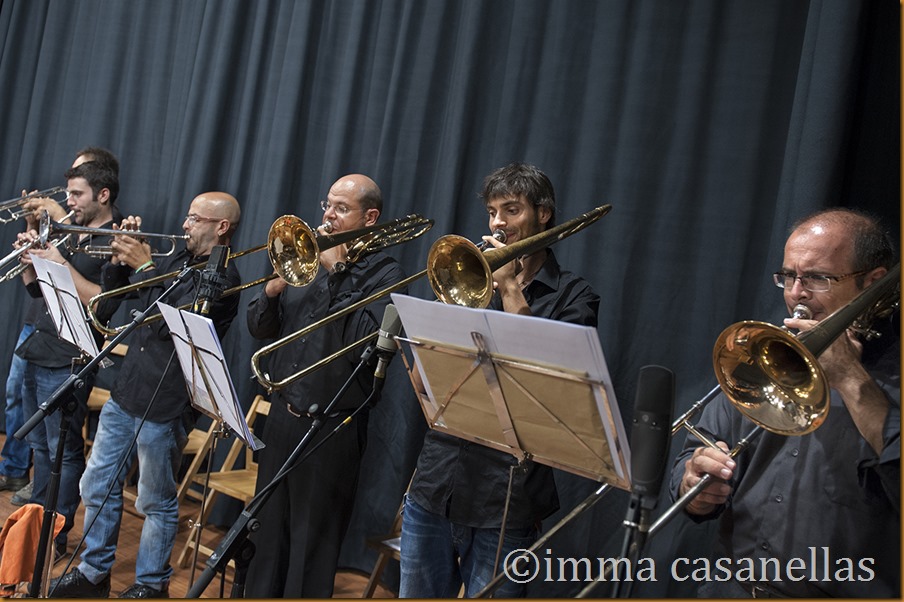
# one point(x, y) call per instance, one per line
point(293, 250)
point(771, 377)
point(459, 272)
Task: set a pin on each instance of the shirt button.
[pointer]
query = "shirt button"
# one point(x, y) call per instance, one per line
point(765, 545)
point(141, 349)
point(779, 499)
point(794, 452)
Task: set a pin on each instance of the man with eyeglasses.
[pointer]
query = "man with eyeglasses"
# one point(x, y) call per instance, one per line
point(148, 400)
point(304, 521)
point(818, 514)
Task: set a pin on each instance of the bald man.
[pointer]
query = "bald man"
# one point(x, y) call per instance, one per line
point(816, 515)
point(150, 363)
point(305, 520)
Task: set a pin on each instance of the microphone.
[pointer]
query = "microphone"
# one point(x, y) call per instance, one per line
point(213, 280)
point(651, 432)
point(386, 346)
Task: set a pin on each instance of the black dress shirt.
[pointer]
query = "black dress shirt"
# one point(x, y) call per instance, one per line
point(467, 482)
point(825, 498)
point(44, 347)
point(297, 307)
point(151, 347)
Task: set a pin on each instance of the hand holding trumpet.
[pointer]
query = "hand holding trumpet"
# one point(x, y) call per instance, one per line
point(35, 205)
point(133, 251)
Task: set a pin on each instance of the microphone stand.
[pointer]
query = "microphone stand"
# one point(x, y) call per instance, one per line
point(235, 544)
point(636, 528)
point(64, 397)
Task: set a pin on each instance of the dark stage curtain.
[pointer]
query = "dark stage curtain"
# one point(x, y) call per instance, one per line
point(709, 125)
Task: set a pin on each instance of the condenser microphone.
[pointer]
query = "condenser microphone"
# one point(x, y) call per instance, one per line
point(386, 346)
point(213, 280)
point(651, 431)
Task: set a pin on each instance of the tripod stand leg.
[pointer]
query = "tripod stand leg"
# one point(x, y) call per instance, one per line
point(42, 559)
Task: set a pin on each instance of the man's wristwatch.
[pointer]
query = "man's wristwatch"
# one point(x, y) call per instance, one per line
point(338, 267)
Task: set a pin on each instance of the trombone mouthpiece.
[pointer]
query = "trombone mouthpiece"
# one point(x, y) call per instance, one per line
point(802, 312)
point(327, 226)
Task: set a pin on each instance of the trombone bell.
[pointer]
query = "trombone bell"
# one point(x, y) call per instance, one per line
point(771, 378)
point(293, 250)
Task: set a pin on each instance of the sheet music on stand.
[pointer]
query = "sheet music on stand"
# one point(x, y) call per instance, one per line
point(64, 306)
point(206, 374)
point(525, 385)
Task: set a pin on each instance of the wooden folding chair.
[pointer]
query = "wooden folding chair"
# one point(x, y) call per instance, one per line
point(238, 483)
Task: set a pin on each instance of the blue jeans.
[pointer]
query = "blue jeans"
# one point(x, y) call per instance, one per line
point(439, 555)
point(38, 385)
point(16, 454)
point(159, 452)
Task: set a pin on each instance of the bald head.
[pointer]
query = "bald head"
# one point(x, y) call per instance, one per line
point(212, 220)
point(221, 205)
point(361, 188)
point(856, 234)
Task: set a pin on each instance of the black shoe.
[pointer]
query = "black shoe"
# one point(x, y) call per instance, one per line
point(140, 590)
point(74, 584)
point(12, 483)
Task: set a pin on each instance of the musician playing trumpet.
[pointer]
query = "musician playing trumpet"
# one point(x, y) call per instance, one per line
point(818, 514)
point(149, 382)
point(92, 189)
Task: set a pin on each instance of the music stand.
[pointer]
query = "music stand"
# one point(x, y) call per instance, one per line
point(531, 387)
point(65, 308)
point(207, 378)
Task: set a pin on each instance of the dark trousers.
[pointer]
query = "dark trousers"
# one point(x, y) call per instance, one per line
point(305, 520)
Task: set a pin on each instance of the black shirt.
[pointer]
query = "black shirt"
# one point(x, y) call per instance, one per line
point(297, 307)
point(825, 498)
point(467, 482)
point(44, 347)
point(151, 345)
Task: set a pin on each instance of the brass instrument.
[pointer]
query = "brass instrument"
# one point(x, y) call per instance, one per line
point(17, 253)
point(773, 377)
point(293, 240)
point(294, 247)
point(12, 209)
point(50, 229)
point(452, 248)
point(460, 273)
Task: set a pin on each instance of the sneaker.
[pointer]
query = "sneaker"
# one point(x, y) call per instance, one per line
point(74, 584)
point(140, 590)
point(23, 496)
point(12, 483)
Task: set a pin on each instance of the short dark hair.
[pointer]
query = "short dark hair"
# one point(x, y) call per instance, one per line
point(102, 156)
point(873, 245)
point(98, 178)
point(521, 179)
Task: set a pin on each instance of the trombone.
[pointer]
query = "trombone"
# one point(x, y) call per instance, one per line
point(13, 209)
point(464, 274)
point(773, 377)
point(294, 249)
point(17, 253)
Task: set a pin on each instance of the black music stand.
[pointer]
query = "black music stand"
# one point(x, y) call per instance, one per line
point(65, 308)
point(210, 386)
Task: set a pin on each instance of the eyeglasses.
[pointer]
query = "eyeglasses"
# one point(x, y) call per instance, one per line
point(815, 283)
point(193, 219)
point(340, 209)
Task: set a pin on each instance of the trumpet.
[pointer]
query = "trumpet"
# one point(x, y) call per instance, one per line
point(50, 229)
point(471, 272)
point(15, 254)
point(13, 209)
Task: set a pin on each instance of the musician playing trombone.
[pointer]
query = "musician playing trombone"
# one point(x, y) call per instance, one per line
point(453, 514)
point(305, 520)
point(93, 190)
point(149, 383)
point(818, 514)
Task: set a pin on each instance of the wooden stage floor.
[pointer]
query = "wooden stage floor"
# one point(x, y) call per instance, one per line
point(349, 584)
